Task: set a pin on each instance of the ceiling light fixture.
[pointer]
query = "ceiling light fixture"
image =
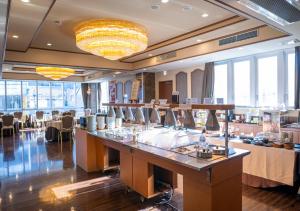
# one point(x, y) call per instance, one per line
point(204, 15)
point(199, 40)
point(49, 44)
point(150, 54)
point(15, 36)
point(164, 1)
point(25, 1)
point(110, 38)
point(55, 73)
point(165, 73)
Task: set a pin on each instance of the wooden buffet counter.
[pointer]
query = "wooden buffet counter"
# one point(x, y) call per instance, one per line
point(208, 184)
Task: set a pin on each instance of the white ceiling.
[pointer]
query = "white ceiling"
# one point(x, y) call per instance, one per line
point(161, 24)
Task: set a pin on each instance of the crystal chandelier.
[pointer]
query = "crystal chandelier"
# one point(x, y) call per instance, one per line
point(55, 73)
point(111, 39)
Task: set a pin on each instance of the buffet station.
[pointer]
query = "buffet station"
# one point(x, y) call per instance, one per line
point(151, 156)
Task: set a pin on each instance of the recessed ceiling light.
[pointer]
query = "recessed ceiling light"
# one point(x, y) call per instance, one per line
point(15, 36)
point(180, 61)
point(187, 8)
point(155, 6)
point(144, 69)
point(164, 1)
point(117, 73)
point(49, 44)
point(241, 48)
point(25, 1)
point(165, 72)
point(150, 54)
point(199, 40)
point(204, 15)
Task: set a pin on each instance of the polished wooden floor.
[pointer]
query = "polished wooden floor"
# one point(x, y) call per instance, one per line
point(30, 167)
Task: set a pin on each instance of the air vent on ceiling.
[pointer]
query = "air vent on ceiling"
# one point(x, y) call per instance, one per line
point(281, 11)
point(166, 56)
point(239, 37)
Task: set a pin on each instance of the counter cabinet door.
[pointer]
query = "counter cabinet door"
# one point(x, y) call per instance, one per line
point(126, 167)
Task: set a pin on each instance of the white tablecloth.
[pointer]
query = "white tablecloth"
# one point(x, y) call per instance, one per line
point(277, 164)
point(55, 124)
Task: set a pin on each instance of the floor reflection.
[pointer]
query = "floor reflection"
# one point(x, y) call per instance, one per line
point(29, 153)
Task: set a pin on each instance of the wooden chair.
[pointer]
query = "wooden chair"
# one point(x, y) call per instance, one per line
point(39, 118)
point(67, 127)
point(55, 112)
point(7, 124)
point(67, 113)
point(19, 115)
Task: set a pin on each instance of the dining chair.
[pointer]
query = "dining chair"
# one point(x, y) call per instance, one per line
point(55, 112)
point(7, 124)
point(19, 115)
point(39, 118)
point(66, 127)
point(67, 113)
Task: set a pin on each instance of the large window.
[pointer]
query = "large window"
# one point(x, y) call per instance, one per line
point(69, 95)
point(242, 83)
point(220, 86)
point(57, 95)
point(2, 95)
point(104, 94)
point(13, 95)
point(267, 81)
point(29, 91)
point(44, 95)
point(291, 79)
point(262, 80)
point(39, 95)
point(78, 94)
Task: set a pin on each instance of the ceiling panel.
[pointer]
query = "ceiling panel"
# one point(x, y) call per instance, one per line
point(235, 28)
point(161, 24)
point(24, 21)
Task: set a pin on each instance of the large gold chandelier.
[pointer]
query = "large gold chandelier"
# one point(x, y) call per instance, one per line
point(111, 39)
point(55, 73)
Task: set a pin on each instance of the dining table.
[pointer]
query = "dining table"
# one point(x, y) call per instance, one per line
point(52, 130)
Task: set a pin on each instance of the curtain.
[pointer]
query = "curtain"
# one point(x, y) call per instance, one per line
point(99, 97)
point(297, 77)
point(84, 88)
point(196, 83)
point(208, 81)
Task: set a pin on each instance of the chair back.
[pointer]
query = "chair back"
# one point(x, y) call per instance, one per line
point(67, 122)
point(55, 112)
point(39, 115)
point(67, 113)
point(73, 113)
point(7, 120)
point(18, 115)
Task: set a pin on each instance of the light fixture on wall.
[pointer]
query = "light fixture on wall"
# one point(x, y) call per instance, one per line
point(55, 73)
point(110, 38)
point(165, 73)
point(88, 91)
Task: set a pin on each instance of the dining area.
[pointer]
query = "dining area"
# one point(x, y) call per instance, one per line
point(56, 126)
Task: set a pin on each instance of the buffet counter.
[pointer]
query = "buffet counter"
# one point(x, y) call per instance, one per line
point(276, 165)
point(208, 184)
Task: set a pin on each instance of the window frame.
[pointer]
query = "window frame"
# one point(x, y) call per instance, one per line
point(282, 73)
